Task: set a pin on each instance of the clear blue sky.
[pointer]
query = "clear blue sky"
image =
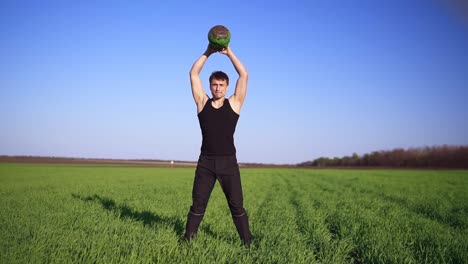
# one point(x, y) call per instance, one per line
point(109, 79)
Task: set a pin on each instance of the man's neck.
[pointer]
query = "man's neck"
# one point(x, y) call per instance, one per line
point(217, 103)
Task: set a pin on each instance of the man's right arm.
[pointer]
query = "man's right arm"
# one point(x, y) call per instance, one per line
point(198, 93)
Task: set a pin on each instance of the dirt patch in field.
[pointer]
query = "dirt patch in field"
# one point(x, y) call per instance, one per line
point(62, 160)
point(126, 162)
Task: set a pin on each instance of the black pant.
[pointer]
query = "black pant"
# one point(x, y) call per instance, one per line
point(226, 170)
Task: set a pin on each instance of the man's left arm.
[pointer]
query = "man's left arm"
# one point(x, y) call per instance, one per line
point(237, 99)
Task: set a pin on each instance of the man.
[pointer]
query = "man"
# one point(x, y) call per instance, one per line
point(218, 118)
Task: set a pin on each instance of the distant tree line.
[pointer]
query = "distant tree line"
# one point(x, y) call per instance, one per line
point(430, 157)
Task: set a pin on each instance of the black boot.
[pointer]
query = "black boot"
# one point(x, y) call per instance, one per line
point(193, 221)
point(242, 225)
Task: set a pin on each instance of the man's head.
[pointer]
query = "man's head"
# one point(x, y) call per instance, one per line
point(219, 82)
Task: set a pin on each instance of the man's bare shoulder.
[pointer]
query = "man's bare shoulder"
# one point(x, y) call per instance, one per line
point(202, 103)
point(236, 105)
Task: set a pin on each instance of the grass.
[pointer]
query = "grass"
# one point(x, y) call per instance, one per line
point(117, 214)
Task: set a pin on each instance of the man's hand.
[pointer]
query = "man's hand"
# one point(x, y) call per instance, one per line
point(210, 50)
point(226, 51)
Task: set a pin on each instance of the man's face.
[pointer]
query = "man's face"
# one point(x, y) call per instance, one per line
point(218, 88)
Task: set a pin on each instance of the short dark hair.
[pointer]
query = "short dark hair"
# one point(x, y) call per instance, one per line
point(219, 75)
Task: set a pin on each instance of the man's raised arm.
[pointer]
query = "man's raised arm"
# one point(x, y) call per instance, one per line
point(198, 93)
point(241, 84)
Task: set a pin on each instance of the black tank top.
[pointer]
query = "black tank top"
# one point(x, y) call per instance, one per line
point(218, 126)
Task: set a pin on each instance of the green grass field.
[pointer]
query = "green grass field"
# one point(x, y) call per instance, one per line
point(117, 214)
